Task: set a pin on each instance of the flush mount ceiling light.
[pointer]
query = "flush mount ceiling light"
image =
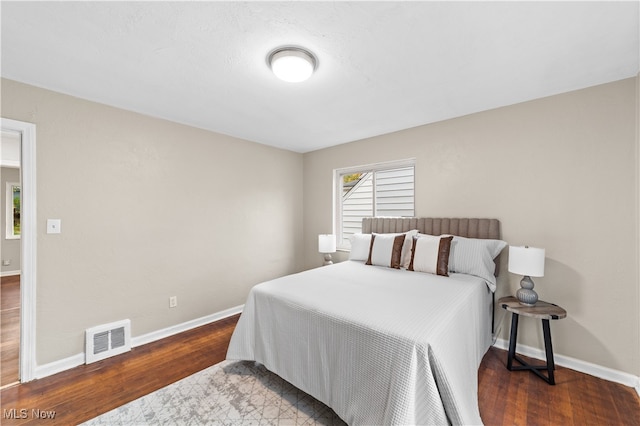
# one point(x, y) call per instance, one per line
point(292, 64)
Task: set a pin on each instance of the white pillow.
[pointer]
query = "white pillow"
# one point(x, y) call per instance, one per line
point(386, 250)
point(360, 244)
point(474, 256)
point(431, 254)
point(406, 248)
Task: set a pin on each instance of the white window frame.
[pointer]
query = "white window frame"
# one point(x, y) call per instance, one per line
point(367, 168)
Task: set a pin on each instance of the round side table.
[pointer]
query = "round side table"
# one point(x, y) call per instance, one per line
point(544, 311)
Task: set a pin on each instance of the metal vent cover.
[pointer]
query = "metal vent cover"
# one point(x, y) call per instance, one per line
point(107, 340)
point(100, 342)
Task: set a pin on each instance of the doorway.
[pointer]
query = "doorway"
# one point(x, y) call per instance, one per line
point(24, 313)
point(10, 248)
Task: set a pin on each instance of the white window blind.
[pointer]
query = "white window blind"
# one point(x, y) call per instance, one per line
point(372, 191)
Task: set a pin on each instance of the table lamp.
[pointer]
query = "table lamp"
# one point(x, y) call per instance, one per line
point(327, 245)
point(527, 261)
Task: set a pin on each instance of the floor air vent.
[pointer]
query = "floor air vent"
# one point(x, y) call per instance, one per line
point(107, 340)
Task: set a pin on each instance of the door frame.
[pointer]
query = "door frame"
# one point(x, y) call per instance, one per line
point(28, 238)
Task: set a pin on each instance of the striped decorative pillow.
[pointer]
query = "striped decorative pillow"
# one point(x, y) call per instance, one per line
point(386, 250)
point(430, 254)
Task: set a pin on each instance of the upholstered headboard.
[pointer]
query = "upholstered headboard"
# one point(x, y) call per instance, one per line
point(463, 227)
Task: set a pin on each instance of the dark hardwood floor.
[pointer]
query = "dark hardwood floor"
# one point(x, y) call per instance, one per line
point(510, 398)
point(9, 329)
point(521, 398)
point(84, 392)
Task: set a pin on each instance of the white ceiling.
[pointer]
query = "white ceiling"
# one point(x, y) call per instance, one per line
point(383, 66)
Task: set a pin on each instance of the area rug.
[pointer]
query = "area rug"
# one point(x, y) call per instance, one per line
point(228, 393)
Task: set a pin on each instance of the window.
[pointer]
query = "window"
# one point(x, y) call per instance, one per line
point(13, 211)
point(372, 191)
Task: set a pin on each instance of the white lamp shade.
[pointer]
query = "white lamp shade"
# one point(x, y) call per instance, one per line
point(293, 65)
point(526, 261)
point(326, 243)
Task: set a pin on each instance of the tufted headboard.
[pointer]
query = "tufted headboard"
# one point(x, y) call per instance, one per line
point(463, 227)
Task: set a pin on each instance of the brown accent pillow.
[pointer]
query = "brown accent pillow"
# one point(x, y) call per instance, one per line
point(386, 250)
point(431, 254)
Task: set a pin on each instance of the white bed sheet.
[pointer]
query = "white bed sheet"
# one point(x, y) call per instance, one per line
point(378, 345)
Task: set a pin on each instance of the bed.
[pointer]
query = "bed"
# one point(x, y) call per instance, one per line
point(381, 344)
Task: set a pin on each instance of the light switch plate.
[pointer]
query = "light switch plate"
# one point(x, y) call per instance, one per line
point(53, 226)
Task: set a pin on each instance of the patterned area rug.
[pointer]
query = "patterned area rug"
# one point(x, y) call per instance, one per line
point(228, 393)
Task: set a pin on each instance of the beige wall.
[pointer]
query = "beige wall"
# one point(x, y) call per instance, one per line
point(560, 173)
point(150, 209)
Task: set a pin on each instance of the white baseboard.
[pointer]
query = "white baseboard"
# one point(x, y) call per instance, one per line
point(79, 359)
point(577, 365)
point(58, 366)
point(9, 273)
point(561, 360)
point(170, 331)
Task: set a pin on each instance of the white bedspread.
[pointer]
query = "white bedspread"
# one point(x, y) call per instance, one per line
point(378, 345)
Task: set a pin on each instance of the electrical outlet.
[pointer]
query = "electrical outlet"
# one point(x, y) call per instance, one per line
point(173, 301)
point(6, 262)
